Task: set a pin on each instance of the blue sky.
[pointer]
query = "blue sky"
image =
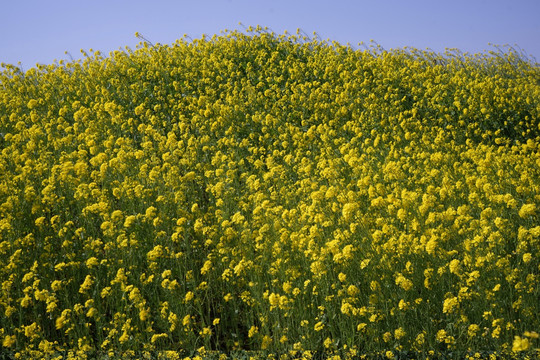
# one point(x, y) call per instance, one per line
point(41, 31)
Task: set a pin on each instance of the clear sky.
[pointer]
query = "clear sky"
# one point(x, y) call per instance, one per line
point(40, 31)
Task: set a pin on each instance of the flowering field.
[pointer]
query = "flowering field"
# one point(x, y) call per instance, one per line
point(270, 195)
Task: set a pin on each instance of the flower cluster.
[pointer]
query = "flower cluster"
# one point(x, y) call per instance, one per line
point(270, 192)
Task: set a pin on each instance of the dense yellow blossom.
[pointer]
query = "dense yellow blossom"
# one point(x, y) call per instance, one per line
point(270, 192)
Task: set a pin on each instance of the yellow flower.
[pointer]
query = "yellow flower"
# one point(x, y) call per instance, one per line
point(205, 332)
point(206, 267)
point(40, 221)
point(319, 326)
point(130, 220)
point(349, 210)
point(520, 344)
point(352, 290)
point(327, 343)
point(106, 291)
point(198, 226)
point(252, 331)
point(454, 266)
point(32, 103)
point(473, 330)
point(186, 320)
point(87, 284)
point(10, 310)
point(527, 210)
point(144, 314)
point(117, 215)
point(92, 262)
point(92, 312)
point(420, 339)
point(9, 340)
point(266, 341)
point(189, 296)
point(31, 330)
point(441, 335)
point(273, 299)
point(450, 305)
point(403, 305)
point(155, 253)
point(403, 282)
point(399, 333)
point(431, 246)
point(361, 326)
point(151, 213)
point(123, 338)
point(346, 308)
point(364, 263)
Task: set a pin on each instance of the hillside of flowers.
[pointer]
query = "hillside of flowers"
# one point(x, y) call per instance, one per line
point(270, 195)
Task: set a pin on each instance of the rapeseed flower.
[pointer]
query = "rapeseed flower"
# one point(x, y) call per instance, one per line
point(263, 191)
point(527, 210)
